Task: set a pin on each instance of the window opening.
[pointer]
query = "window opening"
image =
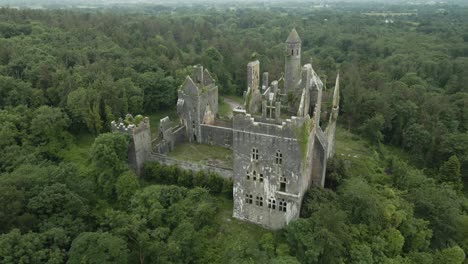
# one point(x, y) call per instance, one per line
point(282, 205)
point(255, 153)
point(259, 201)
point(279, 157)
point(282, 184)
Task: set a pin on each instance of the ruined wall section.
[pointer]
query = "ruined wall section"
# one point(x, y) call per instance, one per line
point(331, 128)
point(253, 96)
point(188, 109)
point(168, 137)
point(208, 104)
point(197, 103)
point(319, 159)
point(216, 135)
point(139, 147)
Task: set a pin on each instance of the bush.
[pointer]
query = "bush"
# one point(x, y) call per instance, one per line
point(163, 174)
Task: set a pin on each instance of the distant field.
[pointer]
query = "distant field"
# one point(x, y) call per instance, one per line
point(389, 14)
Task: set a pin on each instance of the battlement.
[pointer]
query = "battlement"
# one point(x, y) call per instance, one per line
point(131, 126)
point(284, 128)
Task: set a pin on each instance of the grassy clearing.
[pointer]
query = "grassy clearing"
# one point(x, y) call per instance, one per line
point(203, 154)
point(78, 152)
point(390, 14)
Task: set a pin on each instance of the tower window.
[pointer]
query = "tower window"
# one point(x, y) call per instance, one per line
point(282, 184)
point(282, 206)
point(259, 201)
point(255, 153)
point(279, 158)
point(193, 124)
point(261, 177)
point(248, 198)
point(272, 203)
point(247, 176)
point(254, 175)
point(292, 52)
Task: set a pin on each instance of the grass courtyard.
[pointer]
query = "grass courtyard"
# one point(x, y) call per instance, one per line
point(203, 154)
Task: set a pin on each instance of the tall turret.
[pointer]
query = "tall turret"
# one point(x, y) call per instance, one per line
point(292, 68)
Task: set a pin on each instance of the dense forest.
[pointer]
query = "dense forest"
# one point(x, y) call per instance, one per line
point(67, 195)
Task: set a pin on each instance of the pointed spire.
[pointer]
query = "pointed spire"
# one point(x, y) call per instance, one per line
point(293, 37)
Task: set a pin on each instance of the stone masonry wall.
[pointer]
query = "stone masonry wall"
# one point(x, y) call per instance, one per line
point(265, 177)
point(223, 172)
point(216, 135)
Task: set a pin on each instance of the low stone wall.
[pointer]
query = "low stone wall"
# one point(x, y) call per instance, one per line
point(223, 172)
point(216, 135)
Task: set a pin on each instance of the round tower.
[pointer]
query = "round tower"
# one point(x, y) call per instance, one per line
point(292, 68)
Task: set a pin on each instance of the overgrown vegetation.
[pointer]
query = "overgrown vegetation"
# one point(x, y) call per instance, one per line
point(396, 185)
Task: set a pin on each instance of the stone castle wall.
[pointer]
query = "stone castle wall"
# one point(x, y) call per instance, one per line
point(140, 142)
point(223, 172)
point(216, 135)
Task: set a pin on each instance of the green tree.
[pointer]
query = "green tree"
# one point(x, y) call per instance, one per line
point(108, 158)
point(97, 247)
point(48, 129)
point(127, 184)
point(450, 172)
point(372, 128)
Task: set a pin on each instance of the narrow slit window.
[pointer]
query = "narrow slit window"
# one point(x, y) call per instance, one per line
point(254, 175)
point(260, 177)
point(247, 176)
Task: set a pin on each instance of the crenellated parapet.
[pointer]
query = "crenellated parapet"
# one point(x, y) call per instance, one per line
point(286, 128)
point(130, 125)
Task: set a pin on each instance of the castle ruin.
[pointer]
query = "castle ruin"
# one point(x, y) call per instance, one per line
point(279, 149)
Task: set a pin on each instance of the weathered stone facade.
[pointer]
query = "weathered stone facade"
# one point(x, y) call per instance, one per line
point(139, 131)
point(277, 154)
